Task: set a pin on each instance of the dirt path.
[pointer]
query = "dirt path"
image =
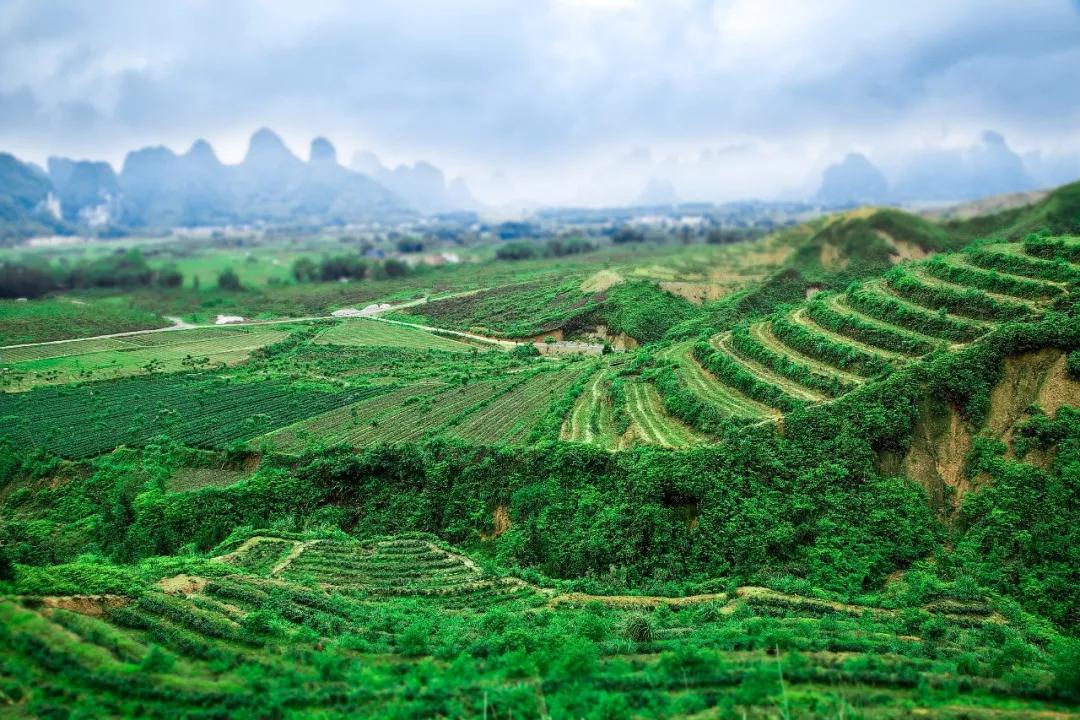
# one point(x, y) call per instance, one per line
point(298, 548)
point(508, 344)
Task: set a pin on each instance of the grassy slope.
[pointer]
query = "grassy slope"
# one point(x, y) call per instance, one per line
point(57, 319)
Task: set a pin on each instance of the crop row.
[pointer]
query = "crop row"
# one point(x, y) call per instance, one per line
point(655, 426)
point(338, 424)
point(90, 419)
point(968, 302)
point(831, 315)
point(512, 416)
point(1053, 248)
point(427, 415)
point(880, 305)
point(592, 418)
point(954, 271)
point(748, 341)
point(731, 372)
point(1056, 270)
point(842, 355)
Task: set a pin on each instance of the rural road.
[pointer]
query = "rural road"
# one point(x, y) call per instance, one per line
point(179, 324)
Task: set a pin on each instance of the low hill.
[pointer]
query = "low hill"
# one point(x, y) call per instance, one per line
point(831, 253)
point(1057, 213)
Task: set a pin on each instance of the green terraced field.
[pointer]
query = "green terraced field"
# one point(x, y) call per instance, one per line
point(337, 623)
point(652, 424)
point(512, 416)
point(729, 401)
point(860, 505)
point(90, 419)
point(373, 332)
point(82, 360)
point(591, 420)
point(835, 342)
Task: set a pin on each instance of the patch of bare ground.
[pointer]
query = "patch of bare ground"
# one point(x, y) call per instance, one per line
point(92, 605)
point(697, 292)
point(942, 439)
point(936, 456)
point(601, 281)
point(619, 341)
point(902, 249)
point(182, 584)
point(500, 522)
point(831, 258)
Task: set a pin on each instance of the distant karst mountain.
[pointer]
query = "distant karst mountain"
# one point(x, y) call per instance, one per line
point(158, 188)
point(658, 191)
point(422, 185)
point(853, 181)
point(988, 168)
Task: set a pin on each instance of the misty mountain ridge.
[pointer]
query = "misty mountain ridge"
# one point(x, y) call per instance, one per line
point(943, 175)
point(158, 188)
point(422, 185)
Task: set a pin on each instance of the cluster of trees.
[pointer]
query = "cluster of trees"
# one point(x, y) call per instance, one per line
point(556, 247)
point(122, 269)
point(347, 267)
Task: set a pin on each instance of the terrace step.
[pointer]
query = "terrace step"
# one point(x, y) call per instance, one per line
point(722, 343)
point(800, 317)
point(762, 333)
point(1048, 289)
point(925, 278)
point(930, 319)
point(1018, 263)
point(709, 389)
point(655, 425)
point(840, 304)
point(914, 344)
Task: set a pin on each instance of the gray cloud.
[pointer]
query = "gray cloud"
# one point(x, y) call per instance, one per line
point(534, 86)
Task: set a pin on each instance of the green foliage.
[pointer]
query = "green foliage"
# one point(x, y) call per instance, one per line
point(228, 280)
point(522, 250)
point(822, 312)
point(894, 311)
point(841, 355)
point(1057, 269)
point(641, 310)
point(951, 271)
point(968, 302)
point(1021, 531)
point(747, 345)
point(730, 372)
point(197, 409)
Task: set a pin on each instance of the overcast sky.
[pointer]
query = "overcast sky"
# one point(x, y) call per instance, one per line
point(556, 95)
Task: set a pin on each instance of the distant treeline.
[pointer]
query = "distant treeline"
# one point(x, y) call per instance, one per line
point(347, 267)
point(123, 269)
point(556, 247)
